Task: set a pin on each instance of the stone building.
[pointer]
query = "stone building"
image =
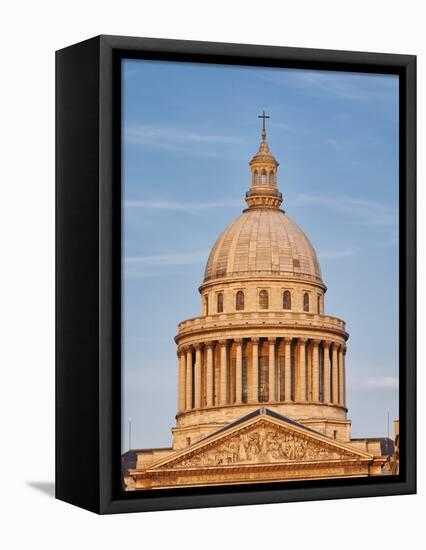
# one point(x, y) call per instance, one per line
point(261, 372)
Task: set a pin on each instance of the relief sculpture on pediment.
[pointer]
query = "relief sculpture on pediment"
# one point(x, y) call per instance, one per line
point(266, 444)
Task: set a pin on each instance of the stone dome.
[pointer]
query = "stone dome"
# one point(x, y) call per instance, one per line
point(264, 155)
point(263, 242)
point(262, 336)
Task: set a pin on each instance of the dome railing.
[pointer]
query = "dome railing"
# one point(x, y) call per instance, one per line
point(263, 273)
point(267, 191)
point(278, 319)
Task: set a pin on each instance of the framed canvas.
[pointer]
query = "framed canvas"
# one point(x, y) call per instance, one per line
point(236, 317)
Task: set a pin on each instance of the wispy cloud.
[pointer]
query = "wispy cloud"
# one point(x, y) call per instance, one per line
point(335, 85)
point(346, 86)
point(335, 144)
point(181, 206)
point(287, 127)
point(130, 72)
point(382, 383)
point(357, 211)
point(146, 266)
point(337, 254)
point(176, 139)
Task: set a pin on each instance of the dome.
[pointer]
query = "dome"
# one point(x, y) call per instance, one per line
point(263, 242)
point(264, 155)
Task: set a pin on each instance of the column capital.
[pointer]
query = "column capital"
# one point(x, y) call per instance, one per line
point(238, 341)
point(287, 340)
point(255, 340)
point(316, 342)
point(344, 348)
point(188, 348)
point(326, 344)
point(302, 340)
point(272, 340)
point(335, 346)
point(210, 344)
point(223, 343)
point(180, 351)
point(198, 346)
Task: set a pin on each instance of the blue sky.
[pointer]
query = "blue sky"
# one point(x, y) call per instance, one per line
point(189, 131)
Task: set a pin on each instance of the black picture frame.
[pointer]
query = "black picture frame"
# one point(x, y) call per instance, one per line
point(88, 273)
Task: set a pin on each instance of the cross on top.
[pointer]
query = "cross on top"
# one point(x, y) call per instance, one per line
point(264, 117)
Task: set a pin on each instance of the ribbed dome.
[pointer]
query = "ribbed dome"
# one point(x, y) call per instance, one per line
point(264, 155)
point(263, 242)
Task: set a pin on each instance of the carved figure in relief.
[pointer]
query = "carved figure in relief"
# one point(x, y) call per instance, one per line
point(272, 445)
point(253, 445)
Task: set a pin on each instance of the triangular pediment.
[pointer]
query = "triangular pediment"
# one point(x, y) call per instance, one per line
point(262, 440)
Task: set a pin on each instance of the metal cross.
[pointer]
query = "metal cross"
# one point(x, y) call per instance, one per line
point(263, 116)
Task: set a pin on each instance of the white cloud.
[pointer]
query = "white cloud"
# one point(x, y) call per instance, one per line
point(337, 254)
point(175, 139)
point(357, 211)
point(382, 383)
point(130, 72)
point(148, 266)
point(335, 144)
point(348, 86)
point(181, 206)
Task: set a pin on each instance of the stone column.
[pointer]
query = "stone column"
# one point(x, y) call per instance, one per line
point(315, 370)
point(341, 376)
point(334, 374)
point(287, 369)
point(308, 353)
point(223, 372)
point(181, 380)
point(271, 369)
point(189, 399)
point(238, 370)
point(255, 370)
point(209, 385)
point(326, 346)
point(197, 377)
point(302, 369)
point(344, 375)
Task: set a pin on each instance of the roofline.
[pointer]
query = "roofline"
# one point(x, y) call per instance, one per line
point(148, 449)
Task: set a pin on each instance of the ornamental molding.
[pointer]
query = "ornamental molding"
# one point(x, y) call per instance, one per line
point(262, 442)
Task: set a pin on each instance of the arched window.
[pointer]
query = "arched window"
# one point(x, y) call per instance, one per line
point(239, 300)
point(263, 176)
point(319, 304)
point(287, 300)
point(271, 178)
point(256, 177)
point(206, 305)
point(263, 299)
point(220, 302)
point(306, 302)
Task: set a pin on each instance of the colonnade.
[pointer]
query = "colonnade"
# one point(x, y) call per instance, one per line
point(258, 370)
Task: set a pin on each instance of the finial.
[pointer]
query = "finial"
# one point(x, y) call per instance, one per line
point(263, 116)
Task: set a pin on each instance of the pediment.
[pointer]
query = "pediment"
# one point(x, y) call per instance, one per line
point(263, 441)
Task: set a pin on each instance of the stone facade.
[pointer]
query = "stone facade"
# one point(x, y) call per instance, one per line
point(262, 340)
